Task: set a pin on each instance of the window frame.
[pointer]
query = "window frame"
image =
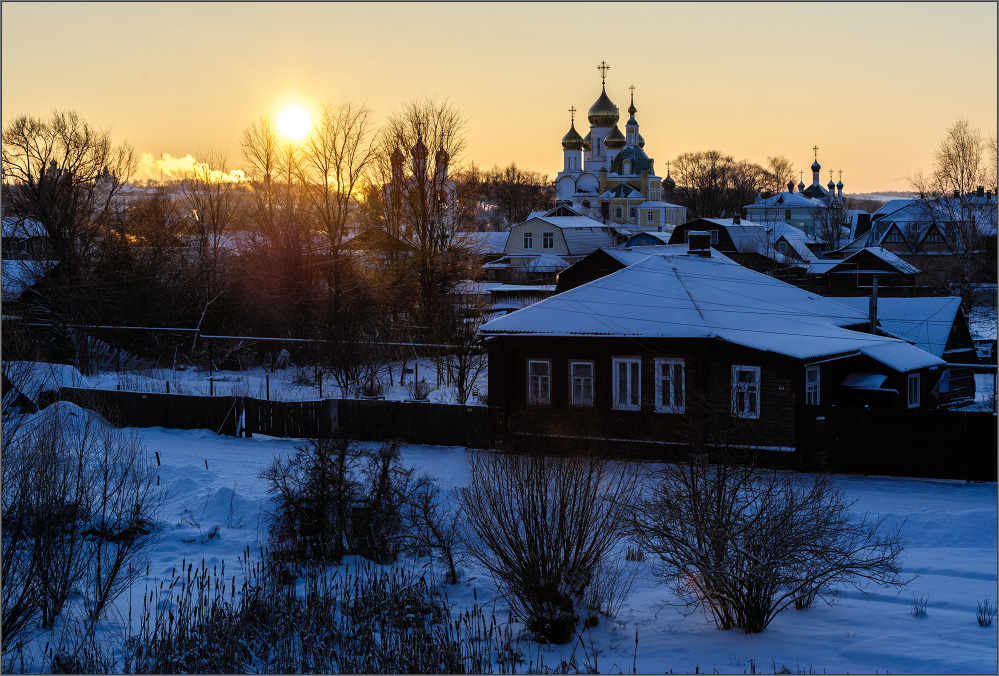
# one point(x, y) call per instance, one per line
point(753, 388)
point(548, 240)
point(544, 383)
point(648, 216)
point(528, 240)
point(815, 389)
point(634, 388)
point(909, 390)
point(618, 212)
point(658, 383)
point(583, 379)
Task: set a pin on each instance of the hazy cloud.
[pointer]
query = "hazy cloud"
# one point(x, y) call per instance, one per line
point(176, 168)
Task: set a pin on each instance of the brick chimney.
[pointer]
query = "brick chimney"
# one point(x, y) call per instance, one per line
point(699, 243)
point(980, 192)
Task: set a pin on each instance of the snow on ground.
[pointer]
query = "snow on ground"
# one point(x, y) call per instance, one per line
point(214, 481)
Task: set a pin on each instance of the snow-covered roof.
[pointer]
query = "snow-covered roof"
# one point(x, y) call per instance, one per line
point(661, 237)
point(687, 296)
point(546, 262)
point(784, 200)
point(522, 288)
point(22, 228)
point(924, 322)
point(485, 242)
point(891, 259)
point(16, 276)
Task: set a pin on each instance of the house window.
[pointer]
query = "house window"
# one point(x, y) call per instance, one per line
point(787, 214)
point(746, 391)
point(895, 237)
point(627, 384)
point(528, 240)
point(714, 236)
point(670, 386)
point(934, 238)
point(812, 385)
point(618, 212)
point(782, 248)
point(548, 240)
point(633, 213)
point(648, 216)
point(539, 382)
point(913, 390)
point(581, 383)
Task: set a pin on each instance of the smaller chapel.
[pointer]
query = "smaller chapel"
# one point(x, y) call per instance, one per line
point(607, 175)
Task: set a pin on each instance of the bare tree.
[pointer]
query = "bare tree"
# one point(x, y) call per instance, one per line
point(743, 542)
point(434, 524)
point(711, 184)
point(422, 204)
point(335, 162)
point(64, 173)
point(517, 192)
point(215, 203)
point(543, 525)
point(948, 198)
point(779, 172)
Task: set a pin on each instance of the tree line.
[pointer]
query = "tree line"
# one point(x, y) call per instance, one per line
point(354, 234)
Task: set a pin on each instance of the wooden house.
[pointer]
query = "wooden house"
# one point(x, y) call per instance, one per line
point(685, 346)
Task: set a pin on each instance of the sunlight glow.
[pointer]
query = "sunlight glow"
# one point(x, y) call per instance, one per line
point(294, 122)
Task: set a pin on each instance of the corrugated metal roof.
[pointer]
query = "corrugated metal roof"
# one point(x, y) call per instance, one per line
point(924, 322)
point(685, 296)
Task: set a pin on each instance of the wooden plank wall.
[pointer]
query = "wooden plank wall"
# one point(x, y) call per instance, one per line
point(145, 409)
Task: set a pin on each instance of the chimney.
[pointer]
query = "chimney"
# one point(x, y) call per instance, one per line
point(957, 194)
point(736, 219)
point(980, 192)
point(699, 243)
point(988, 195)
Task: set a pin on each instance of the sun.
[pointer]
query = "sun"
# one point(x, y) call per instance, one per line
point(294, 122)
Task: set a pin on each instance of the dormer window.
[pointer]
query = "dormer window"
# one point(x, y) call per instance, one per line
point(626, 167)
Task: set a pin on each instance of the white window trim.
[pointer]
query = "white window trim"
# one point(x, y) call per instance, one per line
point(818, 384)
point(615, 404)
point(547, 240)
point(660, 408)
point(591, 378)
point(908, 393)
point(528, 240)
point(546, 380)
point(736, 369)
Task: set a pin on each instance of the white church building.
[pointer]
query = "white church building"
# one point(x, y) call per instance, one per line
point(607, 175)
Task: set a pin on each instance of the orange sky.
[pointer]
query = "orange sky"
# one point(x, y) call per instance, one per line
point(873, 85)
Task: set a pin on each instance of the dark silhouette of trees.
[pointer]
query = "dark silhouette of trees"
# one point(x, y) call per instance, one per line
point(517, 192)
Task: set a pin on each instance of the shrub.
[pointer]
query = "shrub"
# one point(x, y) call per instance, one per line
point(543, 525)
point(744, 542)
point(919, 606)
point(315, 491)
point(419, 389)
point(434, 526)
point(986, 613)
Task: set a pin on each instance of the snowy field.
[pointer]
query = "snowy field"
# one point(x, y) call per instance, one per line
point(214, 485)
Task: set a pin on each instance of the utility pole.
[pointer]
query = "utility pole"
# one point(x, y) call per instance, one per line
point(873, 312)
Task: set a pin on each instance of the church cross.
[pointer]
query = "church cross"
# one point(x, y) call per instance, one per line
point(572, 112)
point(632, 89)
point(603, 68)
point(841, 174)
point(816, 149)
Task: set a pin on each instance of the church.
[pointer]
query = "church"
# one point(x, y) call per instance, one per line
point(607, 175)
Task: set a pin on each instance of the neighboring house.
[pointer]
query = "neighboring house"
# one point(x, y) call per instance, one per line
point(937, 325)
point(683, 344)
point(486, 246)
point(17, 276)
point(506, 298)
point(24, 238)
point(603, 262)
point(812, 210)
point(648, 239)
point(854, 275)
point(758, 246)
point(608, 176)
point(547, 243)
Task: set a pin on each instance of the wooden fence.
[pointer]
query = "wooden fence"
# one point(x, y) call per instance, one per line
point(147, 409)
point(370, 420)
point(939, 444)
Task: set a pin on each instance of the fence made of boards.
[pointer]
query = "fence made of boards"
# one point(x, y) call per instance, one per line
point(364, 419)
point(936, 443)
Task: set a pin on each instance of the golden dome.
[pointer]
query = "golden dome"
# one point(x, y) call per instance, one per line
point(614, 140)
point(572, 140)
point(603, 112)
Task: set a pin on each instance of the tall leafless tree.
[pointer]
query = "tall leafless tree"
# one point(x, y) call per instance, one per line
point(517, 192)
